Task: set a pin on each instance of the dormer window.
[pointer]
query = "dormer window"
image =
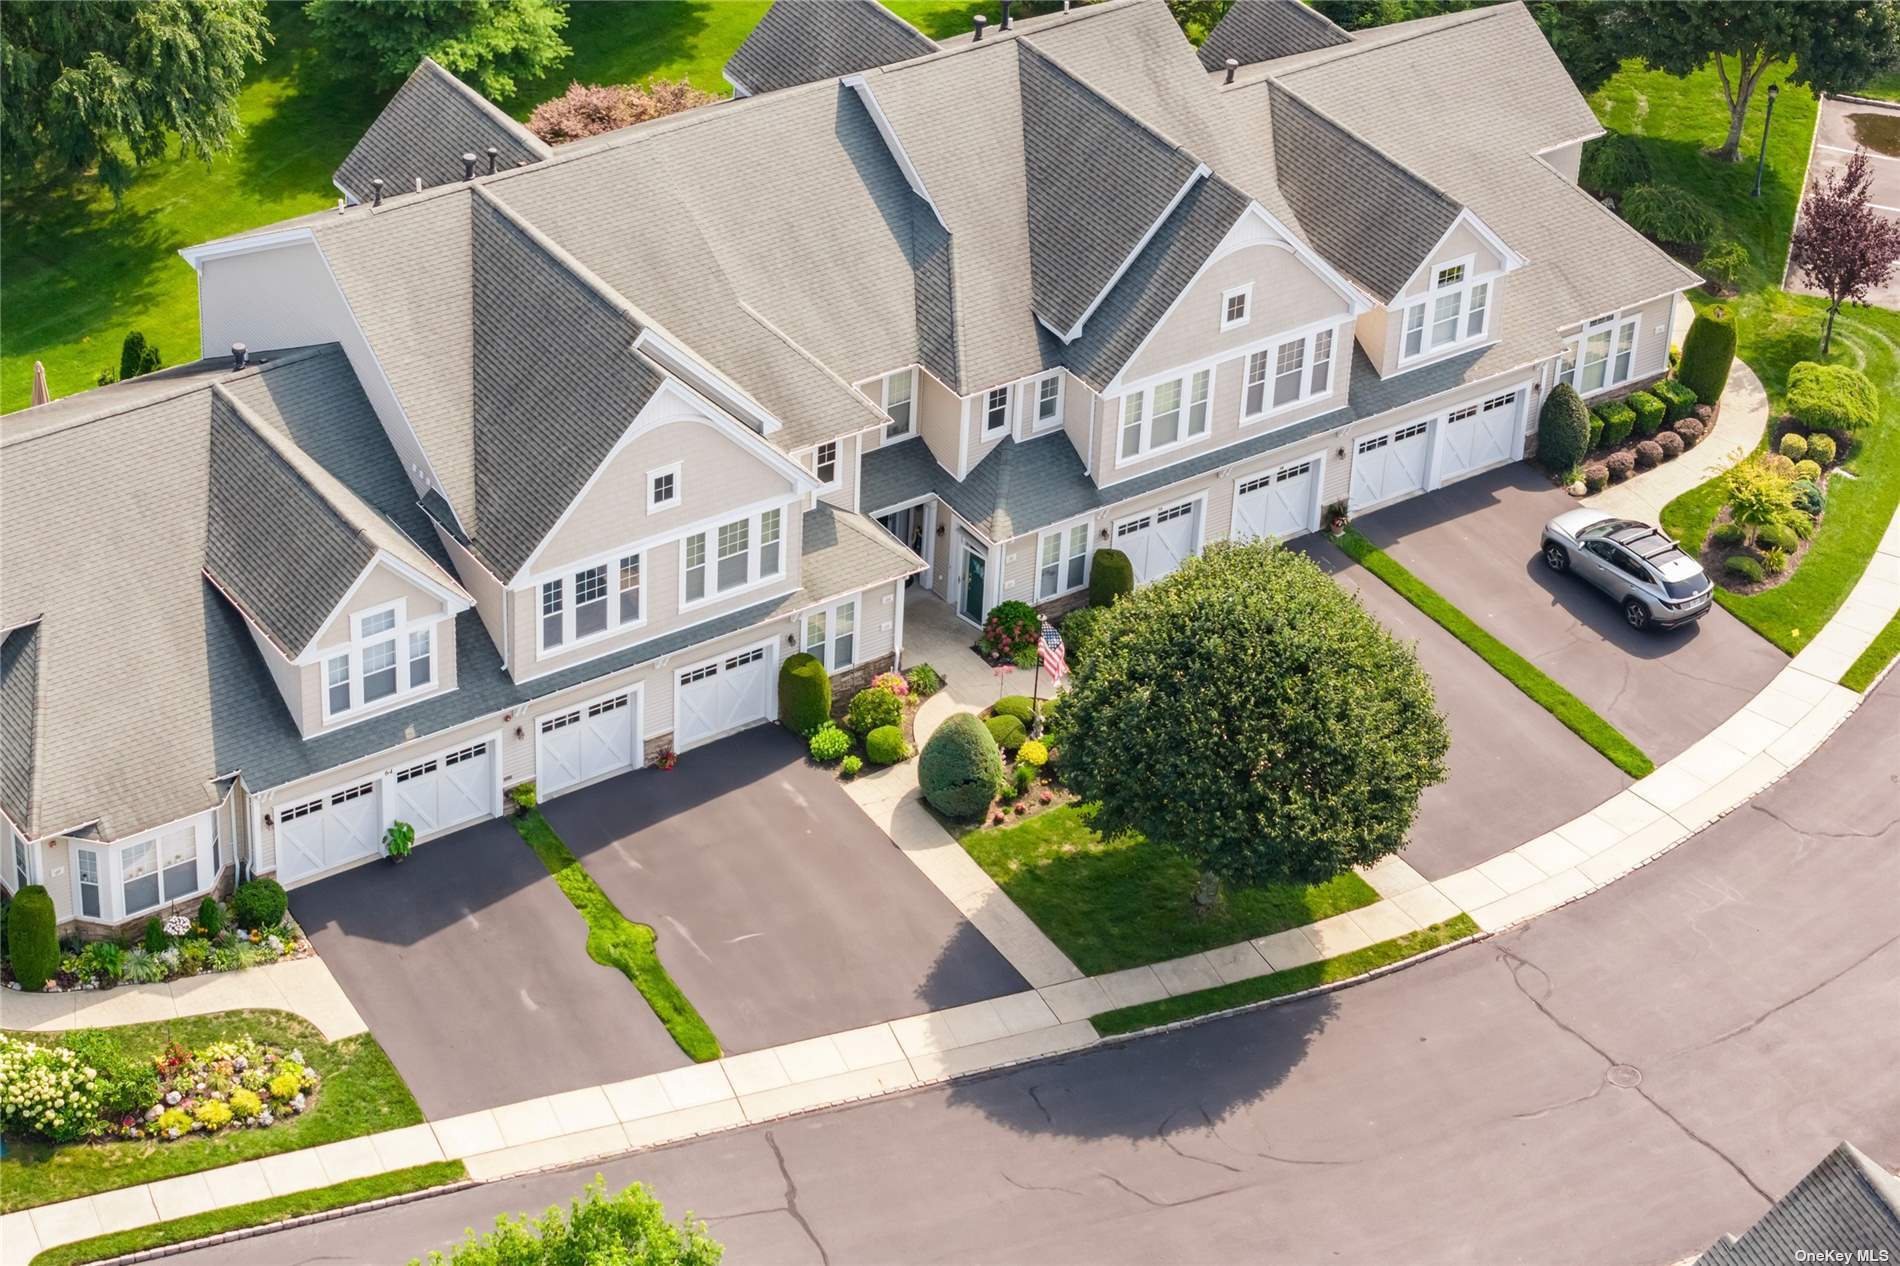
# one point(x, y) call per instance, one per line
point(1048, 401)
point(1236, 306)
point(825, 463)
point(663, 488)
point(1455, 311)
point(995, 411)
point(386, 659)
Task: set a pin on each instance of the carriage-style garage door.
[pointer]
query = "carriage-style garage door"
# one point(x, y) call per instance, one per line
point(1280, 503)
point(1158, 541)
point(723, 695)
point(446, 790)
point(1476, 437)
point(1390, 464)
point(343, 825)
point(587, 741)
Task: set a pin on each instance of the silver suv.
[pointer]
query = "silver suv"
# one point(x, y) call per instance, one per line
point(1651, 579)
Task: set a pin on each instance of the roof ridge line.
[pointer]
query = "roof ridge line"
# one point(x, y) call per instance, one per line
point(501, 116)
point(1296, 99)
point(1445, 22)
point(772, 328)
point(1116, 106)
point(185, 387)
point(1579, 191)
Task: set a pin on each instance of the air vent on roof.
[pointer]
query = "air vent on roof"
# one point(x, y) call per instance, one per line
point(492, 151)
point(979, 22)
point(468, 167)
point(1233, 64)
point(376, 196)
point(239, 354)
point(1004, 25)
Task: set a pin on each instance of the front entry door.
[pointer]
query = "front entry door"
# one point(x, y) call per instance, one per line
point(972, 586)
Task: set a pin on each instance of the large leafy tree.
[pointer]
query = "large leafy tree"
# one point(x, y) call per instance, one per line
point(99, 85)
point(1843, 247)
point(1829, 47)
point(1249, 712)
point(489, 43)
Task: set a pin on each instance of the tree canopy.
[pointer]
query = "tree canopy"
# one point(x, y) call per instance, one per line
point(99, 85)
point(1843, 247)
point(1249, 712)
point(488, 43)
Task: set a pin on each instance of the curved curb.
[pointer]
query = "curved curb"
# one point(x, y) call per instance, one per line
point(303, 987)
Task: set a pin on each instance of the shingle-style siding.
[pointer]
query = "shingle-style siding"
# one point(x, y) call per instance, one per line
point(1262, 30)
point(801, 41)
point(430, 122)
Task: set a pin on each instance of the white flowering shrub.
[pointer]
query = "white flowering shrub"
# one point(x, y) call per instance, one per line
point(47, 1092)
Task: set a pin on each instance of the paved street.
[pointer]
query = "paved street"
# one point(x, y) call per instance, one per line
point(1459, 1111)
point(1842, 126)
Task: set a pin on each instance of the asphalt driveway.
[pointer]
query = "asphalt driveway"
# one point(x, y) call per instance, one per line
point(782, 911)
point(1842, 127)
point(1515, 771)
point(1476, 542)
point(470, 967)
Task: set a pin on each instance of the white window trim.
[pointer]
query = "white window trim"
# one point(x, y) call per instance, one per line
point(754, 544)
point(614, 623)
point(884, 403)
point(405, 692)
point(1062, 532)
point(1614, 323)
point(1246, 313)
point(1149, 449)
point(679, 488)
point(1036, 425)
point(1271, 351)
point(827, 649)
point(22, 855)
point(1465, 340)
point(837, 466)
point(984, 429)
point(112, 869)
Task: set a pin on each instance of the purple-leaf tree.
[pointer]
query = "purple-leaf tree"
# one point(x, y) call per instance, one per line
point(1844, 247)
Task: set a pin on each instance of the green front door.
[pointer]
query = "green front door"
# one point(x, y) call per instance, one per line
point(972, 586)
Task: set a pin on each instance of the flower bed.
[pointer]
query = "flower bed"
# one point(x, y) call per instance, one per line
point(1788, 488)
point(1030, 785)
point(171, 948)
point(86, 1090)
point(880, 725)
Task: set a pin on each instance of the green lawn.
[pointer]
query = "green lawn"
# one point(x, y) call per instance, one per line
point(1118, 903)
point(256, 1213)
point(1513, 667)
point(1885, 86)
point(1281, 983)
point(1879, 653)
point(1775, 330)
point(615, 941)
point(361, 1094)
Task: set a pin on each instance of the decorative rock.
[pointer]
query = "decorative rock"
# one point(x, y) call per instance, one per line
point(1577, 489)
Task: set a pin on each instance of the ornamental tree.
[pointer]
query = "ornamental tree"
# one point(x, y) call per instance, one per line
point(489, 43)
point(1249, 712)
point(590, 109)
point(1843, 247)
point(100, 87)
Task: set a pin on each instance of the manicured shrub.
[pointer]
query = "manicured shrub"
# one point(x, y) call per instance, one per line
point(1729, 534)
point(1707, 353)
point(1670, 443)
point(829, 743)
point(1793, 446)
point(1773, 561)
point(259, 904)
point(1808, 497)
point(1596, 476)
point(1618, 421)
point(1648, 454)
point(1649, 412)
point(32, 945)
point(1724, 263)
point(44, 1090)
point(1668, 214)
point(1677, 397)
point(804, 694)
point(960, 767)
point(1691, 432)
point(1022, 707)
point(154, 939)
point(1008, 732)
point(1010, 632)
point(1563, 430)
point(1778, 536)
point(896, 683)
point(1742, 567)
point(851, 765)
point(1620, 464)
point(1821, 448)
point(1807, 470)
point(1033, 753)
point(1611, 164)
point(1778, 466)
point(1832, 397)
point(1111, 574)
point(872, 708)
point(1596, 433)
point(210, 916)
point(886, 746)
point(1801, 524)
point(628, 1228)
point(1078, 633)
point(924, 680)
point(1705, 414)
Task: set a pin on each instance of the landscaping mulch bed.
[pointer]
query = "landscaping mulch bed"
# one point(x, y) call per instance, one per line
point(1714, 558)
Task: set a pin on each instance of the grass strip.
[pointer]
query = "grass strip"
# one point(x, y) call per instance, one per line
point(1520, 672)
point(362, 1093)
point(1879, 653)
point(615, 941)
point(1281, 983)
point(237, 1217)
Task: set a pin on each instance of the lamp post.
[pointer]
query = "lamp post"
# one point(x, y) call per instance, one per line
point(1761, 160)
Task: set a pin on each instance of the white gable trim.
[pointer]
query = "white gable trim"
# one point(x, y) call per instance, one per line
point(708, 382)
point(456, 600)
point(675, 401)
point(860, 85)
point(197, 255)
point(1512, 261)
point(1199, 173)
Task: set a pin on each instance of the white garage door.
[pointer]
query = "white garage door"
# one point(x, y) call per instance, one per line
point(727, 694)
point(1478, 437)
point(1390, 464)
point(1158, 541)
point(446, 790)
point(586, 742)
point(1277, 504)
point(340, 826)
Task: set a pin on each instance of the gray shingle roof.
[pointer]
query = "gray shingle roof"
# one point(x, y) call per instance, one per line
point(1098, 181)
point(801, 41)
point(424, 130)
point(1261, 30)
point(1847, 1209)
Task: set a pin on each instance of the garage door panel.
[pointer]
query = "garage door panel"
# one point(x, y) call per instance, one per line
point(1278, 503)
point(342, 825)
point(1478, 436)
point(1390, 464)
point(586, 742)
point(721, 696)
point(1158, 541)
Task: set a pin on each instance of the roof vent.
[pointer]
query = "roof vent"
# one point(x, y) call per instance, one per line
point(979, 21)
point(1004, 25)
point(1233, 64)
point(376, 198)
point(239, 354)
point(468, 167)
point(492, 153)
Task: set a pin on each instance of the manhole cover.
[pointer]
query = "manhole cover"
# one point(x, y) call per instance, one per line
point(1625, 1076)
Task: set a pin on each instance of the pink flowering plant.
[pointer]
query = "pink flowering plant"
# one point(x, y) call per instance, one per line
point(893, 682)
point(1010, 634)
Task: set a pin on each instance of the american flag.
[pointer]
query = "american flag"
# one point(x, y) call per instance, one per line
point(1053, 659)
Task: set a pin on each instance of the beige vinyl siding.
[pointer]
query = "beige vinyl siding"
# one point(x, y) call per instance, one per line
point(381, 584)
point(939, 420)
point(845, 495)
point(877, 621)
point(1286, 295)
point(293, 683)
point(1463, 241)
point(1566, 160)
point(716, 475)
point(481, 584)
point(1376, 332)
point(1078, 418)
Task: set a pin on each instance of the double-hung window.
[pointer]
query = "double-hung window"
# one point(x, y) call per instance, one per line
point(744, 552)
point(1165, 414)
point(1454, 311)
point(1048, 401)
point(824, 463)
point(1062, 561)
point(121, 881)
point(1601, 356)
point(138, 877)
point(831, 634)
point(590, 602)
point(386, 659)
point(630, 589)
point(735, 555)
point(421, 647)
point(995, 411)
point(900, 392)
point(1287, 374)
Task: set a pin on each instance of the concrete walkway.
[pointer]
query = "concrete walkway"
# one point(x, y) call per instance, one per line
point(301, 986)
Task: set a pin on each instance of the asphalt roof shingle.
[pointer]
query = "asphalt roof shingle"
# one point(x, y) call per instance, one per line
point(800, 41)
point(1261, 30)
point(1847, 1209)
point(422, 133)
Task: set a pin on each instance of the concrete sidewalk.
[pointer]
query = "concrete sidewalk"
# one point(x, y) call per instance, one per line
point(302, 986)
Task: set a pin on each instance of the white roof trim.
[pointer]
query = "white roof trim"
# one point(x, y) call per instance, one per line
point(197, 255)
point(1512, 260)
point(1201, 172)
point(456, 600)
point(680, 362)
point(860, 85)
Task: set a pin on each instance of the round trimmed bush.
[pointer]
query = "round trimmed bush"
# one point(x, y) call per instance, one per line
point(960, 767)
point(1728, 534)
point(1835, 398)
point(1793, 446)
point(32, 945)
point(1778, 466)
point(871, 709)
point(1670, 443)
point(1563, 430)
point(1807, 469)
point(1022, 707)
point(1808, 497)
point(1648, 453)
point(885, 746)
point(804, 694)
point(1703, 413)
point(1596, 433)
point(1111, 574)
point(1010, 631)
point(1778, 535)
point(828, 743)
point(1620, 464)
point(1821, 448)
point(259, 904)
point(1596, 476)
point(1742, 567)
point(1008, 732)
point(1691, 432)
point(1707, 353)
point(851, 766)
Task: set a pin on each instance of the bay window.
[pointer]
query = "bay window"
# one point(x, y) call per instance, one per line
point(900, 393)
point(1456, 310)
point(747, 551)
point(23, 867)
point(138, 877)
point(831, 635)
point(388, 658)
point(1602, 355)
point(1062, 561)
point(1287, 374)
point(590, 602)
point(169, 867)
point(1166, 414)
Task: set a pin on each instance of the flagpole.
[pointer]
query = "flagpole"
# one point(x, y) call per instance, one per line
point(1035, 690)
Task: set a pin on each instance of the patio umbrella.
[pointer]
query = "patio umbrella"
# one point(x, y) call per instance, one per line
point(40, 394)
